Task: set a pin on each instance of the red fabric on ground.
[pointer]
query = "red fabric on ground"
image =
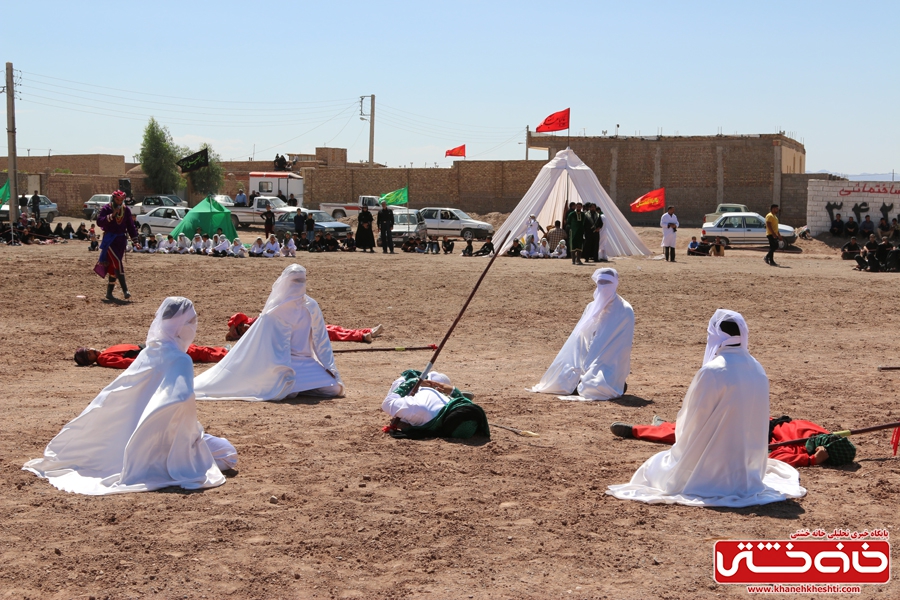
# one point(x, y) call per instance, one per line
point(206, 354)
point(336, 333)
point(119, 356)
point(794, 455)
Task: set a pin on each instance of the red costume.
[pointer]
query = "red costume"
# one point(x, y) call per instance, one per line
point(794, 455)
point(336, 333)
point(121, 356)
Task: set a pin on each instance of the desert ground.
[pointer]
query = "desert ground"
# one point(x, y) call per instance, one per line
point(358, 514)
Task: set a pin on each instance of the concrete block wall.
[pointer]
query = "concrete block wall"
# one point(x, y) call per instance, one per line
point(850, 198)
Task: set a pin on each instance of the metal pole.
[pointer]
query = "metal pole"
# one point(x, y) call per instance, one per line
point(526, 141)
point(372, 131)
point(11, 146)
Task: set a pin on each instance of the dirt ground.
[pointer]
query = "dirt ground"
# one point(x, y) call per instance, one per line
point(362, 515)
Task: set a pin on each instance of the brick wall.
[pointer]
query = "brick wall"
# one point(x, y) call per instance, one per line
point(89, 164)
point(71, 191)
point(850, 198)
point(794, 196)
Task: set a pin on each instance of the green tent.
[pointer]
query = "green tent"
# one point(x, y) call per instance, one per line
point(209, 215)
point(4, 193)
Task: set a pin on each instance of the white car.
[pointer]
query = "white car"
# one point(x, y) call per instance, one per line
point(161, 220)
point(150, 203)
point(49, 210)
point(223, 199)
point(743, 228)
point(454, 222)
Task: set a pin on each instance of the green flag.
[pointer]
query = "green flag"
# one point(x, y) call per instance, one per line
point(4, 193)
point(400, 196)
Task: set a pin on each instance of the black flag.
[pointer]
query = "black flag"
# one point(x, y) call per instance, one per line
point(195, 161)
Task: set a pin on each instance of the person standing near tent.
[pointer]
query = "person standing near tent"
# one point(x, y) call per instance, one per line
point(365, 238)
point(669, 224)
point(268, 218)
point(118, 225)
point(591, 235)
point(532, 227)
point(577, 226)
point(385, 226)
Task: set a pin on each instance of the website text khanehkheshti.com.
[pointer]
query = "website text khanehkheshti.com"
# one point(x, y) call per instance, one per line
point(803, 588)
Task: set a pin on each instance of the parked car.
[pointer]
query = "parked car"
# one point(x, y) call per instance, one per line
point(49, 210)
point(408, 223)
point(150, 203)
point(161, 220)
point(96, 202)
point(248, 215)
point(743, 228)
point(284, 223)
point(339, 211)
point(722, 209)
point(223, 199)
point(454, 222)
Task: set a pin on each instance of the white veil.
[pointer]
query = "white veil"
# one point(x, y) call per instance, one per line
point(716, 338)
point(290, 285)
point(175, 322)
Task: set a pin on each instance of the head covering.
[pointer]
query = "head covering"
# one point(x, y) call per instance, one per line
point(175, 322)
point(118, 195)
point(438, 377)
point(544, 242)
point(237, 241)
point(238, 319)
point(290, 285)
point(81, 358)
point(841, 451)
point(716, 338)
point(159, 237)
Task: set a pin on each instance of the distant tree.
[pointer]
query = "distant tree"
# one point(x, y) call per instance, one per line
point(208, 180)
point(158, 156)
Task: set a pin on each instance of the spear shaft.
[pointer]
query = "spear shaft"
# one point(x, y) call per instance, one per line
point(844, 433)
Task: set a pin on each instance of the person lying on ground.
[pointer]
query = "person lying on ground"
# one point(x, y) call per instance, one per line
point(121, 356)
point(436, 409)
point(825, 448)
point(239, 323)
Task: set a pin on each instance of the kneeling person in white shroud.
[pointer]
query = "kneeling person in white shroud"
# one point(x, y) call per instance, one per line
point(286, 352)
point(720, 457)
point(141, 432)
point(596, 359)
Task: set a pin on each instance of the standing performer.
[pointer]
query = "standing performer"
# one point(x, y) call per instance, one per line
point(720, 454)
point(532, 227)
point(596, 359)
point(577, 224)
point(116, 222)
point(365, 237)
point(385, 226)
point(141, 432)
point(286, 352)
point(669, 224)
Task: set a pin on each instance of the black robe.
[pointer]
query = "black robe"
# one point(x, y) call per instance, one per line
point(365, 238)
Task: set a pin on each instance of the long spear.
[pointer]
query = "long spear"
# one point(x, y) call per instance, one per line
point(397, 349)
point(845, 433)
point(459, 316)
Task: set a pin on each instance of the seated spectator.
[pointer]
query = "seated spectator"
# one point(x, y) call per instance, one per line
point(432, 245)
point(884, 229)
point(892, 262)
point(289, 248)
point(331, 244)
point(837, 226)
point(867, 227)
point(196, 245)
point(488, 248)
point(95, 244)
point(851, 227)
point(272, 247)
point(530, 247)
point(237, 249)
point(850, 250)
point(58, 231)
point(447, 245)
point(410, 244)
point(81, 234)
point(895, 228)
point(421, 246)
point(182, 245)
point(317, 245)
point(166, 246)
point(207, 245)
point(543, 248)
point(257, 248)
point(349, 243)
point(717, 247)
point(516, 248)
point(694, 248)
point(152, 245)
point(555, 234)
point(468, 250)
point(866, 260)
point(302, 243)
point(561, 250)
point(881, 253)
point(221, 248)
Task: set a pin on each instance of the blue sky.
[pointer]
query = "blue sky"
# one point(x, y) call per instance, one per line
point(239, 74)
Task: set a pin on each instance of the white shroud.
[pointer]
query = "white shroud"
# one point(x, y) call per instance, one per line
point(141, 432)
point(286, 351)
point(597, 355)
point(720, 456)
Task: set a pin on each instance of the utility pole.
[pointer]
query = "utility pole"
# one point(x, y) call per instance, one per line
point(372, 131)
point(526, 141)
point(11, 146)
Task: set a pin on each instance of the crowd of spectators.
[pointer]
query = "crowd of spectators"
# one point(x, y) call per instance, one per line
point(38, 231)
point(873, 256)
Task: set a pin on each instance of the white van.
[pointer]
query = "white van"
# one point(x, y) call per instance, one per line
point(269, 184)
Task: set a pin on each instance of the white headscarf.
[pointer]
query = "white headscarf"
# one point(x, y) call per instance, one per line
point(716, 338)
point(290, 285)
point(237, 242)
point(183, 241)
point(175, 322)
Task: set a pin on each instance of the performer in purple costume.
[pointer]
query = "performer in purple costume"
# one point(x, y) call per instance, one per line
point(116, 222)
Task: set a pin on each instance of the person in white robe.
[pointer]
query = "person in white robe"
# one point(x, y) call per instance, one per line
point(197, 244)
point(286, 352)
point(602, 256)
point(206, 245)
point(289, 248)
point(420, 408)
point(272, 247)
point(220, 247)
point(533, 228)
point(182, 245)
point(141, 432)
point(596, 358)
point(167, 246)
point(561, 250)
point(669, 224)
point(257, 248)
point(237, 249)
point(529, 250)
point(543, 249)
point(720, 457)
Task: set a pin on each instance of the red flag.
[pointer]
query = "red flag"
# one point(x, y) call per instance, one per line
point(555, 122)
point(650, 201)
point(458, 151)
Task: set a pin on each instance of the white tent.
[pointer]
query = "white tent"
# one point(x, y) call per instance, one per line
point(567, 179)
